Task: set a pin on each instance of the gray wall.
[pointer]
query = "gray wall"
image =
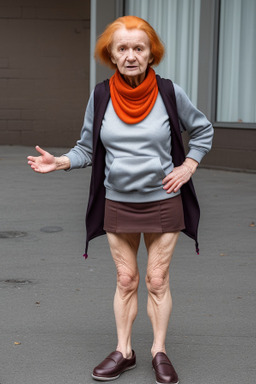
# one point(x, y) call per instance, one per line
point(44, 70)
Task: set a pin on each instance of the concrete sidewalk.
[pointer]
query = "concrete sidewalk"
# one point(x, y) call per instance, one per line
point(56, 317)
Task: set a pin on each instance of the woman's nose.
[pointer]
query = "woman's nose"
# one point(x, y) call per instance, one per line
point(130, 55)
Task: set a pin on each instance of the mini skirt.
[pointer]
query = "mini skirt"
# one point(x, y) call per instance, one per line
point(151, 217)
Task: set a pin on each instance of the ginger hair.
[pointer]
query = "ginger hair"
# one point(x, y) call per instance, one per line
point(103, 46)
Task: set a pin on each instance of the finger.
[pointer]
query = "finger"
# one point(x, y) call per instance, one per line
point(176, 189)
point(172, 175)
point(170, 183)
point(40, 150)
point(173, 186)
point(31, 159)
point(34, 167)
point(169, 187)
point(169, 177)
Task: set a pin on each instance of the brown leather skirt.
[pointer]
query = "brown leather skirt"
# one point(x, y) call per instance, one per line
point(152, 217)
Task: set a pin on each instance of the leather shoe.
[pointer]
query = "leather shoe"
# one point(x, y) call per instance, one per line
point(165, 373)
point(112, 367)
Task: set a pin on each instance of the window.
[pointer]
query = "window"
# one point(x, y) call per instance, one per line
point(177, 22)
point(236, 86)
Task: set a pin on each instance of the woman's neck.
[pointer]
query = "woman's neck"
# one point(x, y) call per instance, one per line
point(135, 81)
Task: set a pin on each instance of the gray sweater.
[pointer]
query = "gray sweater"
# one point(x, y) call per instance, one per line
point(138, 156)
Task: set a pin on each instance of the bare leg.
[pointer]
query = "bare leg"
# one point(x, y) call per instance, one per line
point(160, 249)
point(124, 248)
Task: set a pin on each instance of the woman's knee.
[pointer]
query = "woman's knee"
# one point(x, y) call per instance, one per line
point(127, 282)
point(157, 282)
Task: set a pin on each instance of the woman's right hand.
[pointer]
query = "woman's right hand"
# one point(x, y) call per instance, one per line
point(42, 164)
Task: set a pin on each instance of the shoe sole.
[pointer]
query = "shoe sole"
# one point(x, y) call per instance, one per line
point(102, 378)
point(157, 382)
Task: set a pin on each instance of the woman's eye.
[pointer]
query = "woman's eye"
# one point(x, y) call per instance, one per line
point(121, 49)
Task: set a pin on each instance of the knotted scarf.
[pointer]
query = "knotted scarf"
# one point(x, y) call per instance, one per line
point(132, 105)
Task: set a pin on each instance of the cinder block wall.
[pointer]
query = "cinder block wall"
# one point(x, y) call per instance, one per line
point(44, 71)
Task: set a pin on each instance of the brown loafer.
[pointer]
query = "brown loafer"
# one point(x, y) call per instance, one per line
point(165, 373)
point(112, 367)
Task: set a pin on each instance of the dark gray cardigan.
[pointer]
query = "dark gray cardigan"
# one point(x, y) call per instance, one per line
point(96, 203)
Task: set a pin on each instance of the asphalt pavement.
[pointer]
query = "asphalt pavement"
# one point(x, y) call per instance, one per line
point(56, 316)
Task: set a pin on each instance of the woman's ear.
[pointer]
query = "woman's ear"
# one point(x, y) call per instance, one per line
point(151, 59)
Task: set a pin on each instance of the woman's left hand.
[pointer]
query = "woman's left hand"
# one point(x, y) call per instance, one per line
point(179, 175)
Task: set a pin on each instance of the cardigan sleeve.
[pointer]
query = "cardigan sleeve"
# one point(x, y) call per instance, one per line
point(192, 120)
point(80, 155)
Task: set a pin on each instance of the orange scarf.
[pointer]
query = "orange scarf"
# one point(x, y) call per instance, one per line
point(132, 105)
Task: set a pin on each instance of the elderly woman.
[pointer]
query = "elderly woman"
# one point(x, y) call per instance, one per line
point(140, 180)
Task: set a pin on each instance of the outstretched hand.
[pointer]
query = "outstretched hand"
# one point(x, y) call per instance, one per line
point(44, 163)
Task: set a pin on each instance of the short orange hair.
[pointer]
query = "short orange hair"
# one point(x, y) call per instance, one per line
point(103, 45)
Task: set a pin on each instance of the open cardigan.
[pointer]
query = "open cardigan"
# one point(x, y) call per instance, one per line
point(96, 202)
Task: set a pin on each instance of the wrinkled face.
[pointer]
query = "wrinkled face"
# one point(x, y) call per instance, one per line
point(130, 51)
